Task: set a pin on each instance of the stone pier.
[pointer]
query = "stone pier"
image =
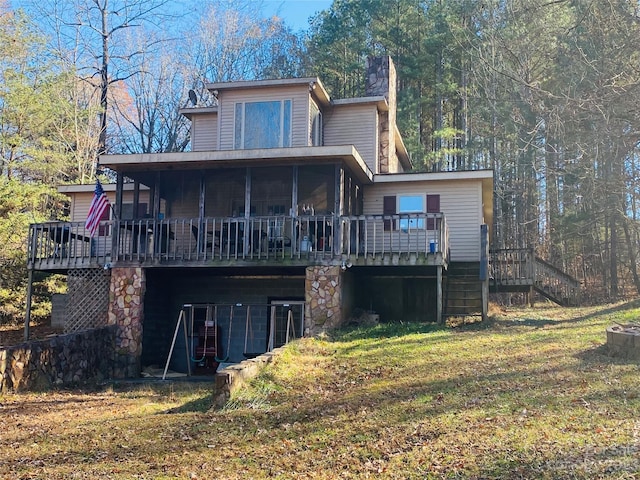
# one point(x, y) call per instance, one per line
point(126, 298)
point(324, 299)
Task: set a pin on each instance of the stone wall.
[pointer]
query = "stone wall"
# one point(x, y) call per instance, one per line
point(64, 360)
point(324, 299)
point(126, 297)
point(234, 377)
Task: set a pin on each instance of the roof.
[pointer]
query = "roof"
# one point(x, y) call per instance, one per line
point(313, 83)
point(225, 158)
point(189, 112)
point(90, 187)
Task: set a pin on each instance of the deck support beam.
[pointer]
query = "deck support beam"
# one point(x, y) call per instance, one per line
point(485, 299)
point(27, 317)
point(439, 294)
point(531, 296)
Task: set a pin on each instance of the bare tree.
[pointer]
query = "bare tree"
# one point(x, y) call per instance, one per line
point(145, 114)
point(91, 35)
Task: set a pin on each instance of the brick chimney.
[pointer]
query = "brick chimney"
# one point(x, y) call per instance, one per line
point(381, 81)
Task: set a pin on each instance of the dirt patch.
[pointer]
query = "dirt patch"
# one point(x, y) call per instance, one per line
point(14, 334)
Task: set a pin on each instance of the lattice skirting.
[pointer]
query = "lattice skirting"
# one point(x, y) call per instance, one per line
point(87, 298)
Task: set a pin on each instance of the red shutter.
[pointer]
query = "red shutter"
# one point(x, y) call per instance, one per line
point(389, 208)
point(433, 206)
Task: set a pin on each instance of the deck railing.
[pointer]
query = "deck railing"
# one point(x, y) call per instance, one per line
point(307, 239)
point(67, 245)
point(515, 268)
point(409, 234)
point(512, 266)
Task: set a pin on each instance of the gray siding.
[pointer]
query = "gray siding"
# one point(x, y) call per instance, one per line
point(355, 125)
point(460, 201)
point(204, 132)
point(300, 111)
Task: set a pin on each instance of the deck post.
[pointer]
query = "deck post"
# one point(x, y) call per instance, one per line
point(531, 296)
point(338, 208)
point(439, 294)
point(294, 192)
point(136, 199)
point(115, 231)
point(247, 210)
point(202, 199)
point(27, 316)
point(485, 299)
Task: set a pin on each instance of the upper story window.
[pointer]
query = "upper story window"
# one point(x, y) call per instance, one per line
point(315, 133)
point(263, 124)
point(411, 204)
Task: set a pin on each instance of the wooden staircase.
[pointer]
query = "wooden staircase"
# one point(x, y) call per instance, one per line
point(463, 290)
point(556, 285)
point(519, 270)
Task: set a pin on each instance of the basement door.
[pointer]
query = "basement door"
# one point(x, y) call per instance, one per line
point(286, 322)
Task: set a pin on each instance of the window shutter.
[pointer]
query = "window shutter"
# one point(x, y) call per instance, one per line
point(389, 208)
point(433, 206)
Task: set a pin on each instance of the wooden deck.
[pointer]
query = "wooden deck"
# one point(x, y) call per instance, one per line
point(221, 242)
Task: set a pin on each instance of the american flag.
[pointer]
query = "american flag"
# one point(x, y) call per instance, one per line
point(99, 204)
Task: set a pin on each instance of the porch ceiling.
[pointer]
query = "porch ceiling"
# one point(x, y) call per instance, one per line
point(235, 158)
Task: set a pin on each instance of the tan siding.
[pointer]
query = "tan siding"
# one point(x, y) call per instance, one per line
point(81, 201)
point(354, 125)
point(204, 131)
point(186, 205)
point(460, 201)
point(299, 104)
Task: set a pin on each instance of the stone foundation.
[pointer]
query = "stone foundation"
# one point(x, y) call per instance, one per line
point(324, 299)
point(126, 297)
point(70, 359)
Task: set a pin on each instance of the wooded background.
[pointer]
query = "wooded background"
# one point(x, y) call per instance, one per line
point(544, 92)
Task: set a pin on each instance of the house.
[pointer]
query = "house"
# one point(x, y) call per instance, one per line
point(291, 214)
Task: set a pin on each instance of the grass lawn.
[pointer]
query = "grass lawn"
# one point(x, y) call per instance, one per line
point(530, 394)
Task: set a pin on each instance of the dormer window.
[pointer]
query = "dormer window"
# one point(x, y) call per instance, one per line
point(262, 124)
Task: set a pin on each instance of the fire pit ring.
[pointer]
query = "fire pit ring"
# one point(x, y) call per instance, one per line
point(623, 341)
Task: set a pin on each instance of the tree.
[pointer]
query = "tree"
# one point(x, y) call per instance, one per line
point(90, 35)
point(36, 152)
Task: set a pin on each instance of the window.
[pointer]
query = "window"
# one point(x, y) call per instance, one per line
point(411, 204)
point(315, 133)
point(263, 124)
point(404, 204)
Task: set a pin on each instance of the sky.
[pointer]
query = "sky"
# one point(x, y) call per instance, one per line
point(295, 13)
